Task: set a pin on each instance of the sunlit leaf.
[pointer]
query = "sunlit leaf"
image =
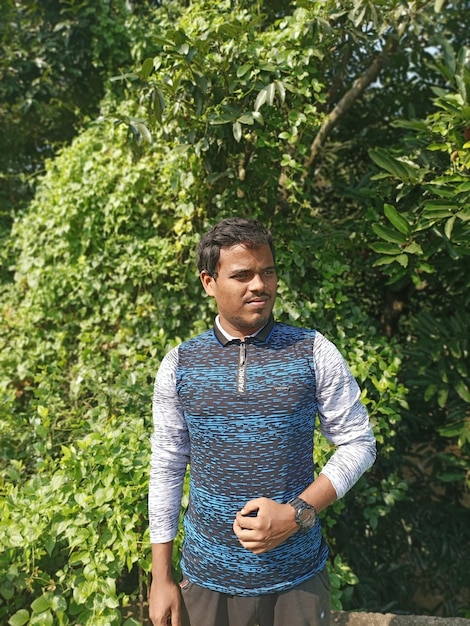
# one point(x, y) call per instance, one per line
point(449, 226)
point(463, 390)
point(237, 131)
point(261, 99)
point(281, 90)
point(20, 618)
point(413, 248)
point(270, 93)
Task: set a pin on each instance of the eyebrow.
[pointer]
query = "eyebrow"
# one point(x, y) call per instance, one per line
point(240, 270)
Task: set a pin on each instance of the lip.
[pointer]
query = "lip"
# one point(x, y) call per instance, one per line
point(258, 301)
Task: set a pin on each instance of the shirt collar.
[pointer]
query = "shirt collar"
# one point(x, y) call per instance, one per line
point(260, 335)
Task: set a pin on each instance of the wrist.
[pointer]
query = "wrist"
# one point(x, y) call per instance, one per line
point(305, 514)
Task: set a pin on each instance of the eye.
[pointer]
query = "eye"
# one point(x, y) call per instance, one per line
point(241, 276)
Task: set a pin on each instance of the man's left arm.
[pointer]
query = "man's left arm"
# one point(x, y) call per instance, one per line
point(343, 421)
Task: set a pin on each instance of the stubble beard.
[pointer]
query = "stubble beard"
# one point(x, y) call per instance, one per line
point(249, 327)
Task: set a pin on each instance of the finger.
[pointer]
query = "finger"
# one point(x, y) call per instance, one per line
point(257, 547)
point(251, 507)
point(245, 521)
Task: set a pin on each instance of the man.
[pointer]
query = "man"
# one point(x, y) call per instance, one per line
point(238, 403)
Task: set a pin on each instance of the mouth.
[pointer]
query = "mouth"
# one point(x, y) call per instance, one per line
point(258, 302)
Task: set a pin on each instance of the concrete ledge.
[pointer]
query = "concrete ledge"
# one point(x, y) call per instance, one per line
point(345, 618)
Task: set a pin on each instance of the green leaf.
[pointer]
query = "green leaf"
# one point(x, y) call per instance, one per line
point(246, 118)
point(224, 118)
point(237, 131)
point(442, 396)
point(399, 169)
point(388, 234)
point(261, 99)
point(449, 226)
point(268, 67)
point(243, 69)
point(451, 477)
point(396, 219)
point(385, 248)
point(201, 81)
point(147, 67)
point(43, 603)
point(402, 259)
point(449, 54)
point(429, 392)
point(157, 104)
point(385, 260)
point(452, 430)
point(281, 90)
point(416, 125)
point(270, 93)
point(455, 348)
point(462, 389)
point(433, 206)
point(413, 248)
point(144, 132)
point(20, 618)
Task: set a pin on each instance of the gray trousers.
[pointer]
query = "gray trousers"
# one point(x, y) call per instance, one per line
point(307, 604)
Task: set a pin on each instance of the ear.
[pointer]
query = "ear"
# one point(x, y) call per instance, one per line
point(207, 282)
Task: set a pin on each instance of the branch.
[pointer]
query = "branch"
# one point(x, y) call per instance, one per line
point(349, 98)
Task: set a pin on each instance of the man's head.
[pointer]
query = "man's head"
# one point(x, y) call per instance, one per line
point(227, 233)
point(236, 263)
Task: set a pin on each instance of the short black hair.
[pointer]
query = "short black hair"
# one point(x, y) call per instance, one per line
point(230, 232)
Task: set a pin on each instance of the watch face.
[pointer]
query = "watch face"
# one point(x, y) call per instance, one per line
point(306, 517)
point(305, 514)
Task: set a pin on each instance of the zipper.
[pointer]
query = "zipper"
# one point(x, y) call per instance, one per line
point(241, 374)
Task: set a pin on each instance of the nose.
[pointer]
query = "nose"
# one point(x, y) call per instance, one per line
point(257, 283)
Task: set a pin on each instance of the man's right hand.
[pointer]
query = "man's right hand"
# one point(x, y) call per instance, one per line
point(165, 604)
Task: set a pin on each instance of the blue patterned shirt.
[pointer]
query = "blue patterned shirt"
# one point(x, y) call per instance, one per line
point(242, 414)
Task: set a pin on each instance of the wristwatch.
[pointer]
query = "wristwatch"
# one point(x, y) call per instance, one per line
point(305, 514)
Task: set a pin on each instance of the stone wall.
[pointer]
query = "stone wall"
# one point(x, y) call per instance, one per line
point(345, 618)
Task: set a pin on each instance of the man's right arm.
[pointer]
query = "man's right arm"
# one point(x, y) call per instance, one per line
point(169, 459)
point(164, 597)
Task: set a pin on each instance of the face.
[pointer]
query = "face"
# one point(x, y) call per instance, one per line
point(244, 289)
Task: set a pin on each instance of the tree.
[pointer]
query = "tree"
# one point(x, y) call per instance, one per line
point(57, 58)
point(234, 108)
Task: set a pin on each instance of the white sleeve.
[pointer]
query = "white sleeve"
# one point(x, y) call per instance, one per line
point(170, 453)
point(343, 418)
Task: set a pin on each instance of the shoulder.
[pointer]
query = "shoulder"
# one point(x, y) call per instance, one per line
point(204, 339)
point(171, 361)
point(325, 348)
point(297, 333)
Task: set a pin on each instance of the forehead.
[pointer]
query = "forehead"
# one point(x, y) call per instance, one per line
point(242, 256)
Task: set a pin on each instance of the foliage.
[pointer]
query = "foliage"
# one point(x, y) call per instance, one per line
point(94, 321)
point(426, 244)
point(423, 251)
point(221, 115)
point(81, 331)
point(57, 57)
